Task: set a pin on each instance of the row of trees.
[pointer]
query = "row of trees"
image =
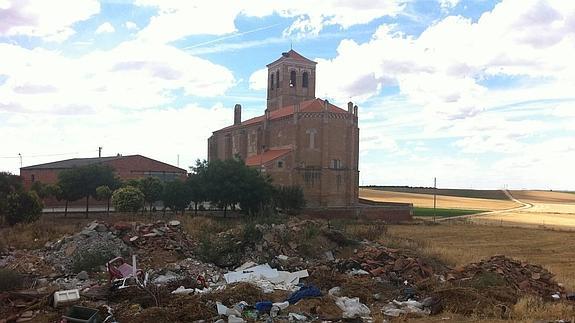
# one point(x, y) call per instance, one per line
point(225, 184)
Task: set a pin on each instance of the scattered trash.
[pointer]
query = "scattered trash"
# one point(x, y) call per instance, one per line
point(304, 292)
point(352, 307)
point(297, 317)
point(183, 291)
point(266, 277)
point(80, 314)
point(66, 296)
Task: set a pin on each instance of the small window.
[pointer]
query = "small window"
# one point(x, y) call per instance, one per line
point(292, 79)
point(272, 81)
point(304, 81)
point(33, 178)
point(278, 79)
point(280, 164)
point(335, 163)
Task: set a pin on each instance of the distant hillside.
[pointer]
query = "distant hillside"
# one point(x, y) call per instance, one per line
point(482, 194)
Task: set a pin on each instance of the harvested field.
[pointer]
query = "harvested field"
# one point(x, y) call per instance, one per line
point(548, 209)
point(445, 202)
point(544, 197)
point(482, 194)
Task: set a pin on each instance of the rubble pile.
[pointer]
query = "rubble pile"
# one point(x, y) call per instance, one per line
point(308, 239)
point(301, 270)
point(388, 264)
point(95, 238)
point(524, 277)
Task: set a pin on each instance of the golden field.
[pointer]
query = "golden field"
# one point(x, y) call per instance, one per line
point(445, 202)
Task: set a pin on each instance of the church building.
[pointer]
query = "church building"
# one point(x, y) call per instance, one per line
point(300, 139)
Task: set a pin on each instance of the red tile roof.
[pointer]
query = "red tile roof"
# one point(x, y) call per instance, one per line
point(314, 105)
point(293, 55)
point(267, 156)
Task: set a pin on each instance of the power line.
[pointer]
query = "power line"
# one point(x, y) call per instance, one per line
point(46, 155)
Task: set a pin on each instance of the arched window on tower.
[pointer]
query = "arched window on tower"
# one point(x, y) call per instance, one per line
point(304, 81)
point(292, 79)
point(272, 81)
point(278, 79)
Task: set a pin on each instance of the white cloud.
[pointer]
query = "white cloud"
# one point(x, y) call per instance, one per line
point(178, 19)
point(52, 20)
point(160, 134)
point(105, 28)
point(133, 76)
point(448, 4)
point(258, 79)
point(131, 25)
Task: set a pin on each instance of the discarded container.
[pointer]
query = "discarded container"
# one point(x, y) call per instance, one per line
point(80, 314)
point(66, 296)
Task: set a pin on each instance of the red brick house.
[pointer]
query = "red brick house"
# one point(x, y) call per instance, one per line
point(126, 167)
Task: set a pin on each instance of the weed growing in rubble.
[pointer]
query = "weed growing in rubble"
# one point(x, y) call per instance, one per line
point(222, 251)
point(10, 280)
point(252, 235)
point(90, 259)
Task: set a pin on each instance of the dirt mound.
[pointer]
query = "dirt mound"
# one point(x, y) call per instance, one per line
point(392, 265)
point(522, 277)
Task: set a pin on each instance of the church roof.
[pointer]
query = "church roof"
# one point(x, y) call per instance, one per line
point(267, 156)
point(314, 105)
point(292, 54)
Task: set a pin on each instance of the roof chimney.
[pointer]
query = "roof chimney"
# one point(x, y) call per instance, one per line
point(237, 114)
point(350, 107)
point(355, 110)
point(325, 105)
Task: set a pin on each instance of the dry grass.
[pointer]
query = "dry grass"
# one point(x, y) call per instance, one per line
point(462, 243)
point(446, 202)
point(531, 308)
point(35, 235)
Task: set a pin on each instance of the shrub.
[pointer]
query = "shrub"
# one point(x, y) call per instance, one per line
point(23, 207)
point(252, 235)
point(221, 251)
point(90, 259)
point(128, 199)
point(290, 199)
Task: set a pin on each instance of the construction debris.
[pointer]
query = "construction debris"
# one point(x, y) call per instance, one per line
point(300, 270)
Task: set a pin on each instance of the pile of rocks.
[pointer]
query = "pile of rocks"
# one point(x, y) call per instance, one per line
point(524, 277)
point(389, 264)
point(93, 239)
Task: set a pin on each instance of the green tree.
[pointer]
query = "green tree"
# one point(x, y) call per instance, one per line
point(152, 187)
point(177, 196)
point(197, 183)
point(40, 189)
point(81, 182)
point(230, 182)
point(55, 191)
point(128, 199)
point(8, 184)
point(23, 207)
point(290, 199)
point(104, 193)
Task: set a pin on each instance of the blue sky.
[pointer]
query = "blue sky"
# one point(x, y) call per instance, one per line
point(476, 93)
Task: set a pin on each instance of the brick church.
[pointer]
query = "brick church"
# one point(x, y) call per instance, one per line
point(300, 139)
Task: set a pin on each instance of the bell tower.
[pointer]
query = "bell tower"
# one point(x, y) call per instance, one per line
point(291, 79)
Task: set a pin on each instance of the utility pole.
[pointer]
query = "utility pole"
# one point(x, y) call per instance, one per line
point(20, 155)
point(434, 197)
point(178, 160)
point(99, 152)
